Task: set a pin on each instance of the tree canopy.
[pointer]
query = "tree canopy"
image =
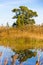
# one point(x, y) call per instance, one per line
point(24, 16)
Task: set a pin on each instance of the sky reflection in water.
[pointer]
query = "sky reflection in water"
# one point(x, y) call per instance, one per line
point(7, 53)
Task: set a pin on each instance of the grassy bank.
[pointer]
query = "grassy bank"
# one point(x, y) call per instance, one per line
point(22, 43)
point(20, 39)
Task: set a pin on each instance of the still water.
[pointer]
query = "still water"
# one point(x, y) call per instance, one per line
point(7, 53)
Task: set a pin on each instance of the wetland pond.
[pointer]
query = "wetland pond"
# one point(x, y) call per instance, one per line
point(26, 57)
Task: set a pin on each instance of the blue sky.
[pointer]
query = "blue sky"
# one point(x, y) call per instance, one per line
point(7, 5)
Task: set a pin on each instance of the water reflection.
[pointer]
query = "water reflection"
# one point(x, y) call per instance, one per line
point(7, 53)
point(32, 60)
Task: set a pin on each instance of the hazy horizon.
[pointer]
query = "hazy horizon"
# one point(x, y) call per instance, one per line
point(7, 5)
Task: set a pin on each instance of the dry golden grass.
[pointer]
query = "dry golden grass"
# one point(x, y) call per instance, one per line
point(22, 38)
